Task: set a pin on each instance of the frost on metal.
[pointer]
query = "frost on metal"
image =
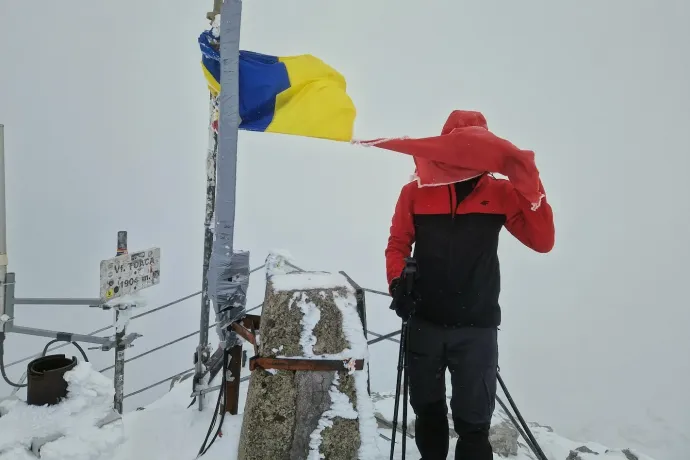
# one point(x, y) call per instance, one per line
point(122, 319)
point(124, 307)
point(228, 270)
point(228, 284)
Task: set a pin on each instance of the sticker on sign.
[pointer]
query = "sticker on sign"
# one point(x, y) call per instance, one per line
point(129, 273)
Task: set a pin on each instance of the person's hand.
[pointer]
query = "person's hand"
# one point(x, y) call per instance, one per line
point(406, 308)
point(403, 303)
point(393, 286)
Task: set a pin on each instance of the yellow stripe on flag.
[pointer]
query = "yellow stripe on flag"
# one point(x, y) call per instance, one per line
point(316, 104)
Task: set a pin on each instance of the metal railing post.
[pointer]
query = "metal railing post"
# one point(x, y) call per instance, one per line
point(120, 332)
point(3, 222)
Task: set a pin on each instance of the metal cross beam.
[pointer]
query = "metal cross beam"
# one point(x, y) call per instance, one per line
point(106, 343)
point(96, 303)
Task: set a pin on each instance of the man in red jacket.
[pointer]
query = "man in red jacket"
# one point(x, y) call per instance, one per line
point(455, 230)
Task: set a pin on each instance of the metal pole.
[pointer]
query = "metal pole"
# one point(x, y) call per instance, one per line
point(10, 326)
point(226, 175)
point(62, 336)
point(536, 448)
point(201, 356)
point(232, 384)
point(226, 273)
point(3, 222)
point(120, 332)
point(51, 301)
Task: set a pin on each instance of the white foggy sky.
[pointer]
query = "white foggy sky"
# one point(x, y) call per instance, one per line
point(106, 114)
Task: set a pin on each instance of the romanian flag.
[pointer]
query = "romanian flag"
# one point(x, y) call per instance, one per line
point(299, 95)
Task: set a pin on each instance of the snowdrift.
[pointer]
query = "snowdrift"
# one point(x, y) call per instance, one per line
point(84, 427)
point(72, 428)
point(168, 430)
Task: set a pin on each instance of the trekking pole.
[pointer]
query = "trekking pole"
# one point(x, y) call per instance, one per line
point(397, 389)
point(516, 424)
point(535, 445)
point(406, 387)
point(408, 277)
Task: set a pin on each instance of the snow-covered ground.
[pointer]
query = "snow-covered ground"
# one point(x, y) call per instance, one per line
point(168, 429)
point(84, 426)
point(73, 422)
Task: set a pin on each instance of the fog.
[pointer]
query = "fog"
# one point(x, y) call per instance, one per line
point(106, 112)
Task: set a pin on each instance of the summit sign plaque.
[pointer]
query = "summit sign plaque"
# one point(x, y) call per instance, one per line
point(129, 273)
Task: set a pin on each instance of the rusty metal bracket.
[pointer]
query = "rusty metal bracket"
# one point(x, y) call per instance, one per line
point(256, 346)
point(246, 328)
point(244, 332)
point(251, 321)
point(303, 364)
point(233, 379)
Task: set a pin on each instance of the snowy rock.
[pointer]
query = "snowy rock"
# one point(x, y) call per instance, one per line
point(545, 427)
point(504, 439)
point(630, 455)
point(575, 454)
point(305, 415)
point(279, 261)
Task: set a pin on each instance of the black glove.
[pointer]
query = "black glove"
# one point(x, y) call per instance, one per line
point(403, 303)
point(394, 285)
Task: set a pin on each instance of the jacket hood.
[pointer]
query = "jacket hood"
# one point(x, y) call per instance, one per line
point(463, 119)
point(465, 149)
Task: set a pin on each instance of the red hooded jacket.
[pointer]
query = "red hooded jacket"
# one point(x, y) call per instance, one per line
point(455, 230)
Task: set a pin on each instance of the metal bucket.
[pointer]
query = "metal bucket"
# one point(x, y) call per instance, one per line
point(45, 378)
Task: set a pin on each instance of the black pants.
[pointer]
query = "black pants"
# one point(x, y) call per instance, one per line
point(471, 356)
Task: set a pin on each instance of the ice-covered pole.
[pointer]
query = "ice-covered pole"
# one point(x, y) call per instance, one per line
point(120, 332)
point(201, 354)
point(225, 272)
point(3, 222)
point(228, 274)
point(226, 166)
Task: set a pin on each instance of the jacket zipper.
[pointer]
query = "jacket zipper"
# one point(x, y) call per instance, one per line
point(451, 195)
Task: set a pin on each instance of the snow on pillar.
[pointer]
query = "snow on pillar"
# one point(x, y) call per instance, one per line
point(304, 414)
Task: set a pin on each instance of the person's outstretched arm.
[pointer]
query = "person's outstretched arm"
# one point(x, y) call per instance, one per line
point(534, 229)
point(401, 234)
